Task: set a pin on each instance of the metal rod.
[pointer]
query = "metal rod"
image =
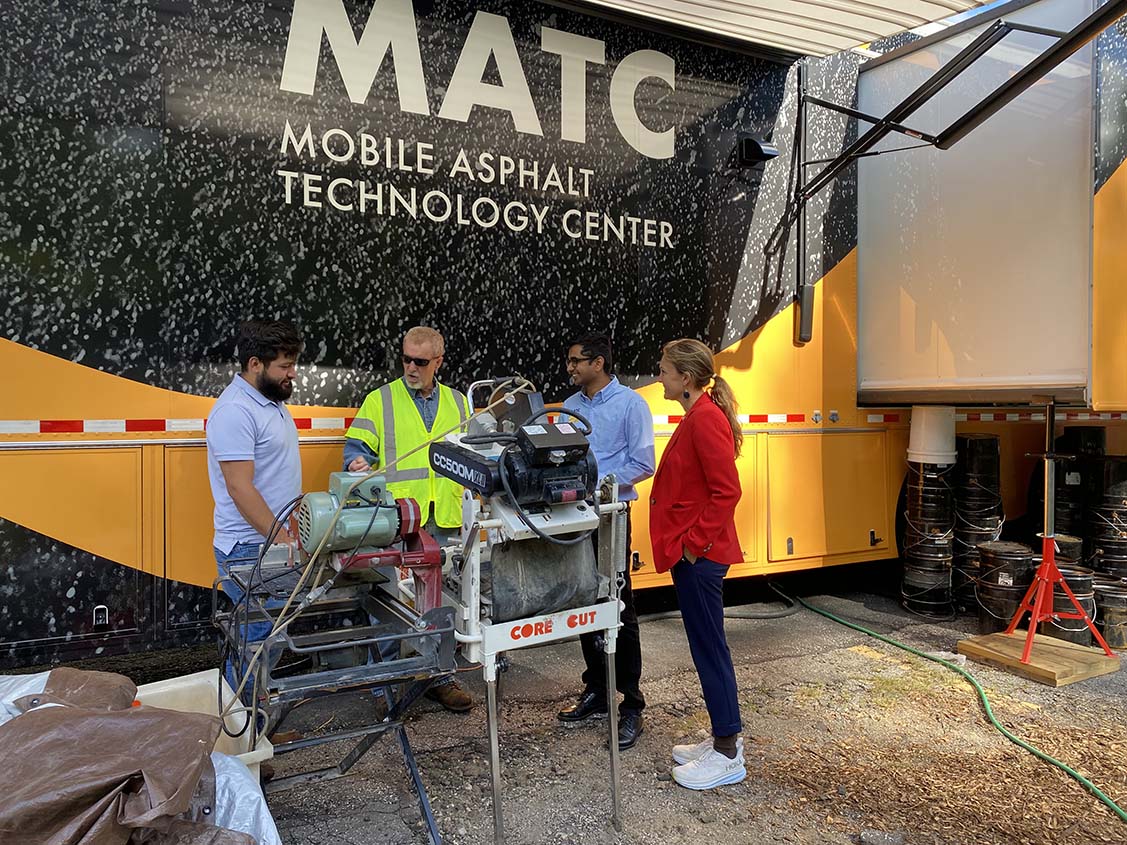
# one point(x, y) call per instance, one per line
point(1084, 32)
point(1050, 471)
point(309, 742)
point(803, 294)
point(612, 722)
point(617, 546)
point(868, 118)
point(420, 789)
point(491, 716)
point(1036, 30)
point(869, 154)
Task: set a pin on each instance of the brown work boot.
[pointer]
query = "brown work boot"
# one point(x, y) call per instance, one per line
point(283, 737)
point(451, 696)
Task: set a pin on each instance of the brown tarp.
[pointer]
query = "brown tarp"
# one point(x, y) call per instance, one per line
point(99, 771)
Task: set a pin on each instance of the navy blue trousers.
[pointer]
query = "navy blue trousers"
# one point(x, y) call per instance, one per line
point(700, 594)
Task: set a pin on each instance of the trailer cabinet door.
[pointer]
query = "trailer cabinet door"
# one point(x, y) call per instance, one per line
point(827, 494)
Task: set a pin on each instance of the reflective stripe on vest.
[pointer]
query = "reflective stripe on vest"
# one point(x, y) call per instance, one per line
point(365, 424)
point(403, 430)
point(388, 447)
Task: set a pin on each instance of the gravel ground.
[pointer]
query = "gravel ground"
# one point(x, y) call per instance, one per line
point(846, 738)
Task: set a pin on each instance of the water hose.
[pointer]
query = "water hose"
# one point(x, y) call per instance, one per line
point(1036, 752)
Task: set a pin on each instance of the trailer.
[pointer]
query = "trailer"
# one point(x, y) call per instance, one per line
point(176, 171)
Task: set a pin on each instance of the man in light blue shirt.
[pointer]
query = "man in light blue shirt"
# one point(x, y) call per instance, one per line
point(622, 439)
point(252, 454)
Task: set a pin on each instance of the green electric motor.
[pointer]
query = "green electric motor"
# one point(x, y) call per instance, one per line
point(369, 518)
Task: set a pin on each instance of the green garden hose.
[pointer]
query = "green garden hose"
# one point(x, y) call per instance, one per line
point(1037, 752)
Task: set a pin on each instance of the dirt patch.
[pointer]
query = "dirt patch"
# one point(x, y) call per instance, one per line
point(856, 738)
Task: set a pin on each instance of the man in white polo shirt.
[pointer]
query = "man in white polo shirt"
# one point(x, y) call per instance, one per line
point(252, 456)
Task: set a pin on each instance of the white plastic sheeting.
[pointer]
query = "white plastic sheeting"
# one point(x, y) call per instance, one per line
point(239, 802)
point(805, 27)
point(17, 686)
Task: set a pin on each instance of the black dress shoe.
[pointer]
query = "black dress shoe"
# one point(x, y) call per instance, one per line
point(630, 727)
point(589, 705)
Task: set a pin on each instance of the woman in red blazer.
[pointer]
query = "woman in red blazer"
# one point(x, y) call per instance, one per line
point(693, 531)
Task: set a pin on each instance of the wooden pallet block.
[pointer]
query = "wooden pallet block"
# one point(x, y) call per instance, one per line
point(1052, 661)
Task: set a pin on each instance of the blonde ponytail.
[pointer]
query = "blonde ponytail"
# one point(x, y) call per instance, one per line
point(722, 395)
point(695, 360)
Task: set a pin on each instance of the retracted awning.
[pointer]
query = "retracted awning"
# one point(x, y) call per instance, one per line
point(803, 27)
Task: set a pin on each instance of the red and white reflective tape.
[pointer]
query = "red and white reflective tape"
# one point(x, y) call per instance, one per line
point(199, 425)
point(749, 419)
point(1090, 416)
point(1000, 416)
point(1032, 416)
point(181, 426)
point(311, 424)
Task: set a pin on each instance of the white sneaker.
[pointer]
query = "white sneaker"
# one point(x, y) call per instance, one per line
point(709, 770)
point(687, 753)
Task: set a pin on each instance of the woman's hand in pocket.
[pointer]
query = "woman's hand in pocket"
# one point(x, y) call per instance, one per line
point(687, 555)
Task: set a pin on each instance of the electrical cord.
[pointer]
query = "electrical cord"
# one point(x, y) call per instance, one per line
point(565, 412)
point(489, 437)
point(276, 525)
point(791, 607)
point(1032, 749)
point(503, 471)
point(523, 515)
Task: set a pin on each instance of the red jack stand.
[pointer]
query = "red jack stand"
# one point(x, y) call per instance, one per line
point(1039, 598)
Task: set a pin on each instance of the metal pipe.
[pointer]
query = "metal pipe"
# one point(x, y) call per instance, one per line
point(494, 754)
point(803, 294)
point(612, 721)
point(868, 118)
point(616, 567)
point(1050, 472)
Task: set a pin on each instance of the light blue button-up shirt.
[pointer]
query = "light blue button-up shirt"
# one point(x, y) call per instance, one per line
point(622, 434)
point(246, 426)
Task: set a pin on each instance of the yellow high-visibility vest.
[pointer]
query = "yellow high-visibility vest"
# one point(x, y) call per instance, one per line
point(390, 423)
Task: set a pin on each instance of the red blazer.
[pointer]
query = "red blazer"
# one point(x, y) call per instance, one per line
point(695, 491)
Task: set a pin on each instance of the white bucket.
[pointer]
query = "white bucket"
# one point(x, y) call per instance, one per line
point(198, 693)
point(932, 436)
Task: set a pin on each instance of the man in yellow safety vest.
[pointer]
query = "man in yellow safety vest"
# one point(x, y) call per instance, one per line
point(401, 416)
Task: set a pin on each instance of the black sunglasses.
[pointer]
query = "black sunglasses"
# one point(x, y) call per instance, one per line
point(418, 362)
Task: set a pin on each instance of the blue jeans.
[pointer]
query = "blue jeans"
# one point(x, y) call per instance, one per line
point(244, 554)
point(700, 595)
point(390, 650)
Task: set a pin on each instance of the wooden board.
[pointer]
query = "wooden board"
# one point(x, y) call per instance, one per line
point(1052, 661)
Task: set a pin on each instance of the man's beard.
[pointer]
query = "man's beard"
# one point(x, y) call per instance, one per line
point(277, 391)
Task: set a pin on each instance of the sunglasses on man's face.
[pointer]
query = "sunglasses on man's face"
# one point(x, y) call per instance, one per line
point(418, 362)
